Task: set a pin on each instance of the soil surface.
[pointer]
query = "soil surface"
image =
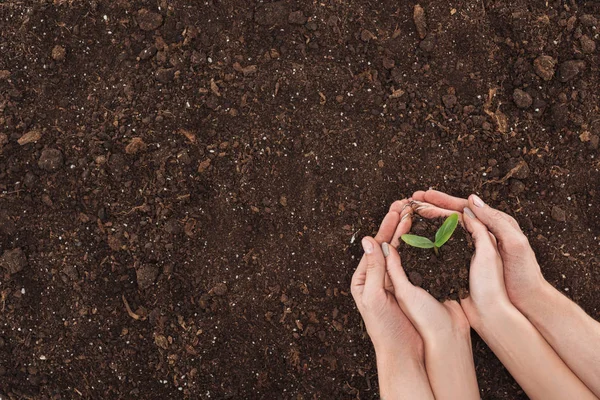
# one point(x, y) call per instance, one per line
point(444, 276)
point(181, 181)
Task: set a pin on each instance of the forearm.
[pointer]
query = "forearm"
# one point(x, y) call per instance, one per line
point(573, 334)
point(450, 368)
point(402, 378)
point(528, 357)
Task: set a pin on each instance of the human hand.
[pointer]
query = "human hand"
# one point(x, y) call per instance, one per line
point(443, 326)
point(522, 274)
point(398, 346)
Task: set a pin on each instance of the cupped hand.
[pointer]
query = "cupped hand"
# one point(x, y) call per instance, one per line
point(522, 273)
point(444, 327)
point(389, 329)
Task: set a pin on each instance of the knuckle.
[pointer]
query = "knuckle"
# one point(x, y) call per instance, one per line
point(397, 205)
point(517, 242)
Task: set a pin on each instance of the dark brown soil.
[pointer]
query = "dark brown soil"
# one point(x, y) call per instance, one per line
point(444, 276)
point(183, 179)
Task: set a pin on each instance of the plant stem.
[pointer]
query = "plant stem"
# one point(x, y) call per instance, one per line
point(436, 251)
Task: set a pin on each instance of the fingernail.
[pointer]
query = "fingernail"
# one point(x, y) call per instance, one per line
point(367, 246)
point(468, 211)
point(477, 201)
point(386, 249)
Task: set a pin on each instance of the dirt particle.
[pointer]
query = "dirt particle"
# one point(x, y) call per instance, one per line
point(4, 74)
point(58, 53)
point(522, 99)
point(203, 166)
point(588, 20)
point(420, 21)
point(165, 75)
point(7, 225)
point(3, 140)
point(570, 69)
point(388, 63)
point(517, 187)
point(13, 260)
point(428, 44)
point(148, 20)
point(135, 146)
point(297, 18)
point(247, 71)
point(219, 290)
point(366, 35)
point(544, 67)
point(30, 137)
point(588, 45)
point(161, 341)
point(449, 100)
point(145, 276)
point(50, 160)
point(416, 278)
point(147, 53)
point(559, 114)
point(558, 214)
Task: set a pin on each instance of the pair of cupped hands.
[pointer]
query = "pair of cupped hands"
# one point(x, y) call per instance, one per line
point(404, 321)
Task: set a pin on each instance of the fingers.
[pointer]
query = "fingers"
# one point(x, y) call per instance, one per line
point(404, 224)
point(444, 200)
point(387, 227)
point(396, 273)
point(479, 232)
point(428, 210)
point(503, 226)
point(375, 265)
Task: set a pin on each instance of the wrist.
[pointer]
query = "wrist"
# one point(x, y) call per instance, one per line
point(393, 370)
point(490, 315)
point(538, 294)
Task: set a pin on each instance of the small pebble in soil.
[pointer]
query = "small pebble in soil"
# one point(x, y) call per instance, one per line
point(588, 20)
point(148, 20)
point(59, 53)
point(517, 187)
point(570, 69)
point(145, 275)
point(545, 66)
point(558, 214)
point(420, 21)
point(13, 260)
point(50, 160)
point(297, 18)
point(522, 99)
point(366, 35)
point(588, 45)
point(449, 100)
point(220, 289)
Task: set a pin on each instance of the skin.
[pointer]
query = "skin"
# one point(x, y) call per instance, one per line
point(443, 326)
point(545, 340)
point(398, 346)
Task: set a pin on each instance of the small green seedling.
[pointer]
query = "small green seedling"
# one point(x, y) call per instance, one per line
point(441, 236)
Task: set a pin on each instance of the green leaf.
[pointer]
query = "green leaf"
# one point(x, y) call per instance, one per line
point(446, 230)
point(417, 241)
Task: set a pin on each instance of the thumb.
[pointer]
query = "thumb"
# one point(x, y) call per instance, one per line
point(375, 271)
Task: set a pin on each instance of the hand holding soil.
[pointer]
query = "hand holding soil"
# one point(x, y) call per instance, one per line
point(547, 343)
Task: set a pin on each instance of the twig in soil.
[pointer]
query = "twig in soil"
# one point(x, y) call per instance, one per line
point(7, 193)
point(509, 175)
point(131, 313)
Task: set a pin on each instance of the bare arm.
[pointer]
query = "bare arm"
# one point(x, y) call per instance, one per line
point(573, 334)
point(528, 357)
